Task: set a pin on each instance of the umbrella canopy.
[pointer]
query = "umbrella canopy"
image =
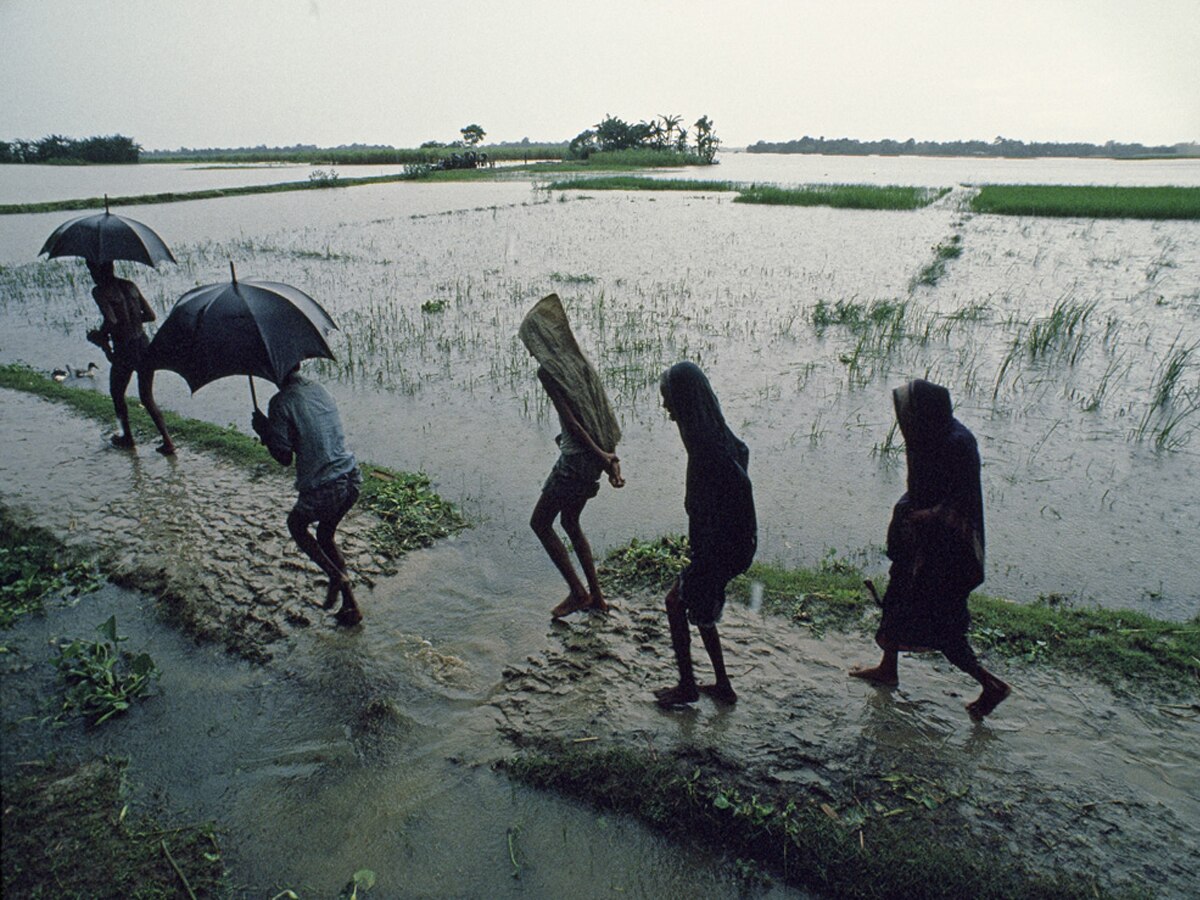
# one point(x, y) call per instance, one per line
point(106, 237)
point(261, 328)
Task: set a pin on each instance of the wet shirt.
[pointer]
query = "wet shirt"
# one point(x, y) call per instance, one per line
point(304, 421)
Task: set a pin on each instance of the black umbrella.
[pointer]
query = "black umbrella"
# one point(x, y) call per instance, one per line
point(105, 237)
point(261, 328)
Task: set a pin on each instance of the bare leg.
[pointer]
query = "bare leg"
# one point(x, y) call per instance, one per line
point(583, 550)
point(349, 614)
point(994, 690)
point(146, 393)
point(119, 375)
point(886, 673)
point(306, 542)
point(721, 690)
point(542, 523)
point(685, 691)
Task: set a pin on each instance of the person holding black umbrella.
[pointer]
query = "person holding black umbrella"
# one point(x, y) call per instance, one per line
point(302, 423)
point(122, 337)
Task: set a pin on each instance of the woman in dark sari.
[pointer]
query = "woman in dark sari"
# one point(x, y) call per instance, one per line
point(722, 529)
point(936, 544)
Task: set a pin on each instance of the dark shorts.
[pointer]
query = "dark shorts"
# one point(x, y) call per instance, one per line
point(329, 501)
point(130, 356)
point(575, 478)
point(702, 589)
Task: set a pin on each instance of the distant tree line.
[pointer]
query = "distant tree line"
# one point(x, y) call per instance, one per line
point(665, 133)
point(1001, 146)
point(55, 148)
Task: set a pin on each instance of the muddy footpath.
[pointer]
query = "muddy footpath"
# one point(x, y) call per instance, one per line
point(1067, 774)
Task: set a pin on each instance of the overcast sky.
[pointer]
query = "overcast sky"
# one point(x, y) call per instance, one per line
point(216, 73)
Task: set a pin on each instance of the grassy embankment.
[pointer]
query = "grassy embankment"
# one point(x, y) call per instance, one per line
point(69, 833)
point(842, 196)
point(900, 834)
point(411, 514)
point(888, 846)
point(1094, 202)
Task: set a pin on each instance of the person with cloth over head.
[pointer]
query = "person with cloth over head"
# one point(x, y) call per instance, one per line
point(936, 544)
point(123, 339)
point(722, 529)
point(587, 445)
point(302, 422)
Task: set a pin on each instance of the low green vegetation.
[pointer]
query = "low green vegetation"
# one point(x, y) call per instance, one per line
point(1088, 201)
point(102, 679)
point(637, 183)
point(1116, 647)
point(68, 832)
point(843, 196)
point(883, 843)
point(933, 272)
point(35, 565)
point(412, 514)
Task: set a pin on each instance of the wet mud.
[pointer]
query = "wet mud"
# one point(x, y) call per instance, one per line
point(206, 537)
point(1065, 775)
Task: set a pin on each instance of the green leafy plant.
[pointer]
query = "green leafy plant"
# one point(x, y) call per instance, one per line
point(412, 514)
point(34, 565)
point(103, 680)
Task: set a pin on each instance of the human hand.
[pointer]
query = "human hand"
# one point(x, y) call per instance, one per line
point(259, 423)
point(614, 472)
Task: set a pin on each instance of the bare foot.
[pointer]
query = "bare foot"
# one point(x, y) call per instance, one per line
point(986, 702)
point(332, 593)
point(722, 692)
point(348, 616)
point(877, 675)
point(680, 695)
point(121, 441)
point(598, 604)
point(166, 448)
point(573, 603)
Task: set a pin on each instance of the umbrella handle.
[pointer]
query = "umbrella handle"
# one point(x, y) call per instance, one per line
point(253, 396)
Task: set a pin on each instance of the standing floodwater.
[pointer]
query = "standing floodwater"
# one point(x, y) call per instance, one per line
point(1065, 344)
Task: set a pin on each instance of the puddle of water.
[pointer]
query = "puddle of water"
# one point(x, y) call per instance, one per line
point(335, 759)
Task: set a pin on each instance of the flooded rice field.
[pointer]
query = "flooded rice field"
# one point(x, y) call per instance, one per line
point(1070, 346)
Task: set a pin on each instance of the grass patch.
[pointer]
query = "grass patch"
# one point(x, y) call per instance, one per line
point(35, 565)
point(412, 514)
point(1120, 648)
point(933, 272)
point(843, 196)
point(638, 183)
point(642, 158)
point(1088, 201)
point(861, 853)
point(68, 833)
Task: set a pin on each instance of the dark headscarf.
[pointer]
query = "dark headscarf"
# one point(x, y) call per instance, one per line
point(719, 499)
point(942, 455)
